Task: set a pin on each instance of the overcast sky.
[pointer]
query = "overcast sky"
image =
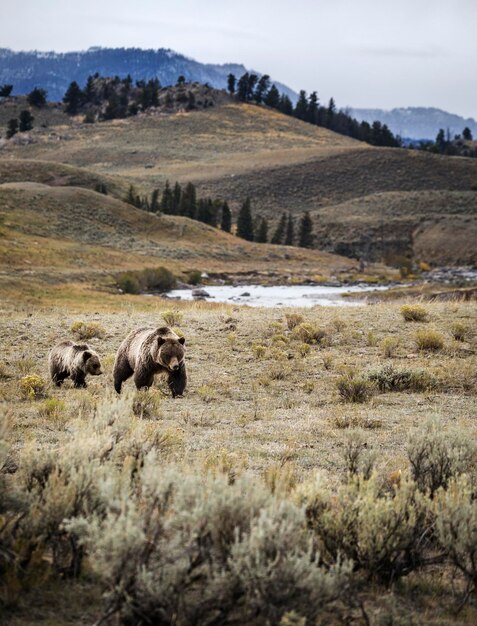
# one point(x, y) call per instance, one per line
point(364, 53)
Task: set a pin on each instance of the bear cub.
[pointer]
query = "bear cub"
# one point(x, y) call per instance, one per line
point(149, 351)
point(74, 360)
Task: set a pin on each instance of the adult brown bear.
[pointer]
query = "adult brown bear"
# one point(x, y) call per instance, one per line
point(149, 351)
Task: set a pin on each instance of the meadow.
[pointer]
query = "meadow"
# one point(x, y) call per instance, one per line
point(310, 474)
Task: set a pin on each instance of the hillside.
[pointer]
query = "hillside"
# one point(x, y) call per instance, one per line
point(59, 235)
point(417, 122)
point(435, 226)
point(54, 71)
point(236, 150)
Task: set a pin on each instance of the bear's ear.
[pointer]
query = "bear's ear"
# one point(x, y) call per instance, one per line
point(86, 356)
point(160, 341)
point(182, 340)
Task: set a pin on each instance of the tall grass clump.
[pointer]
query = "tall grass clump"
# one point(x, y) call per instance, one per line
point(172, 317)
point(414, 313)
point(293, 320)
point(87, 330)
point(429, 340)
point(308, 333)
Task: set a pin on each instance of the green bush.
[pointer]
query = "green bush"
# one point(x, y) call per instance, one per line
point(32, 387)
point(158, 279)
point(389, 378)
point(194, 277)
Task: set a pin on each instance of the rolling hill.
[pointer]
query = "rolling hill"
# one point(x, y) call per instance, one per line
point(237, 150)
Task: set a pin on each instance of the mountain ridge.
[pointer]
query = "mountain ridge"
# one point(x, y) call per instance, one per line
point(416, 122)
point(54, 71)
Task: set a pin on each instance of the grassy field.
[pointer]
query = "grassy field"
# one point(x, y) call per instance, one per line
point(263, 401)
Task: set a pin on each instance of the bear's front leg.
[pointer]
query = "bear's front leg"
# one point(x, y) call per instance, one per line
point(177, 381)
point(59, 378)
point(143, 379)
point(79, 380)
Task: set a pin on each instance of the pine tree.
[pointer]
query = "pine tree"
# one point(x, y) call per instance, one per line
point(262, 88)
point(231, 82)
point(312, 110)
point(245, 222)
point(131, 197)
point(330, 113)
point(289, 234)
point(73, 98)
point(285, 105)
point(467, 134)
point(37, 97)
point(188, 203)
point(176, 199)
point(301, 106)
point(155, 205)
point(261, 235)
point(5, 90)
point(279, 233)
point(306, 231)
point(26, 121)
point(12, 128)
point(167, 200)
point(272, 99)
point(242, 87)
point(226, 221)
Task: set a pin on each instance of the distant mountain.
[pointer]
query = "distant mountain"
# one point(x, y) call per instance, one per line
point(417, 122)
point(54, 71)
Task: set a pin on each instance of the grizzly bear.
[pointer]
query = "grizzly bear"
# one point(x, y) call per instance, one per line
point(149, 351)
point(68, 359)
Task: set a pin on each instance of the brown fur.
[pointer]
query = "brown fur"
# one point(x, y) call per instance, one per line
point(74, 360)
point(149, 351)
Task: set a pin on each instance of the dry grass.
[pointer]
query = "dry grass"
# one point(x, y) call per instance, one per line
point(228, 420)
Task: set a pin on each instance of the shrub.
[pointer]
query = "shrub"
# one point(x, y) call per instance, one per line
point(158, 279)
point(278, 371)
point(51, 408)
point(188, 549)
point(388, 378)
point(414, 313)
point(437, 455)
point(194, 277)
point(258, 350)
point(25, 365)
point(460, 331)
point(358, 457)
point(32, 387)
point(354, 388)
point(383, 533)
point(456, 525)
point(146, 403)
point(128, 282)
point(87, 330)
point(293, 320)
point(172, 317)
point(304, 349)
point(327, 360)
point(308, 333)
point(389, 345)
point(429, 340)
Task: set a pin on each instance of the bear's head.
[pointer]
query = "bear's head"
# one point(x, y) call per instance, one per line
point(170, 352)
point(92, 364)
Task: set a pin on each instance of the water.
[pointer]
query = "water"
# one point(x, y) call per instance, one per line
point(280, 295)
